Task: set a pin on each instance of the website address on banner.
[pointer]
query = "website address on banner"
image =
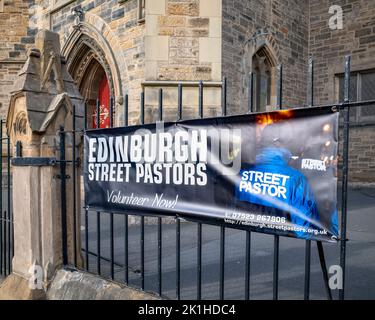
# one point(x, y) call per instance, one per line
point(267, 222)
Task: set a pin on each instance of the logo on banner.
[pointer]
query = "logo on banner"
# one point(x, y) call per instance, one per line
point(311, 164)
point(264, 183)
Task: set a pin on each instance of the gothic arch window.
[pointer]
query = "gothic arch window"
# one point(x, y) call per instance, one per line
point(264, 85)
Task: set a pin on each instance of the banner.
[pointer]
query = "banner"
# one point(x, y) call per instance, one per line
point(272, 172)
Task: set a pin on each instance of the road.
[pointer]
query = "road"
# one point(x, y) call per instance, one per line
point(360, 257)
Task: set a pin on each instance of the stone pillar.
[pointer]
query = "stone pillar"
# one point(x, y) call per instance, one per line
point(42, 101)
point(36, 232)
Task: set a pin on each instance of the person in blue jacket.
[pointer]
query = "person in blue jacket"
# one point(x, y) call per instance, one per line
point(271, 182)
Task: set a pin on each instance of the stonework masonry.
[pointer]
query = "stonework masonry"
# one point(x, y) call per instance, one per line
point(295, 31)
point(192, 40)
point(328, 47)
point(281, 25)
point(16, 36)
point(177, 41)
point(183, 40)
point(144, 49)
point(183, 43)
point(120, 30)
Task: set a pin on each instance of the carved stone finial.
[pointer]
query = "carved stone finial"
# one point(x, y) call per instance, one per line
point(42, 89)
point(48, 43)
point(79, 15)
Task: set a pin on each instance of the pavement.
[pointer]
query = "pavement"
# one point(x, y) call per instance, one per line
point(360, 273)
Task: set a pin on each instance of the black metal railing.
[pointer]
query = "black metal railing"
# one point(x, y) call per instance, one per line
point(6, 213)
point(122, 249)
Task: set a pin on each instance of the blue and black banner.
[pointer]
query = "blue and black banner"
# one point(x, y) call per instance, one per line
point(270, 172)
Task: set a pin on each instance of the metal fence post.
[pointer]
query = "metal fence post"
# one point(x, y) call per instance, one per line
point(63, 196)
point(247, 267)
point(179, 117)
point(345, 172)
point(199, 226)
point(98, 237)
point(111, 216)
point(311, 77)
point(308, 242)
point(74, 184)
point(86, 209)
point(126, 110)
point(97, 114)
point(222, 228)
point(250, 107)
point(324, 269)
point(160, 260)
point(280, 87)
point(307, 269)
point(224, 97)
point(126, 217)
point(178, 222)
point(111, 101)
point(276, 237)
point(142, 217)
point(10, 215)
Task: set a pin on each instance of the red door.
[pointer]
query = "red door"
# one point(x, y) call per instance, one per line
point(104, 96)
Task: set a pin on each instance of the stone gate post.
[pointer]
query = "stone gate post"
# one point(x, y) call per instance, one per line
point(42, 101)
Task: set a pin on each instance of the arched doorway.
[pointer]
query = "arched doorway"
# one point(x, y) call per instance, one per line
point(92, 38)
point(95, 87)
point(91, 74)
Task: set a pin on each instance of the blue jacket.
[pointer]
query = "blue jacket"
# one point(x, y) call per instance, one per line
point(297, 198)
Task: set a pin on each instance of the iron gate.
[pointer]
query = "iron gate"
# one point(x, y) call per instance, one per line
point(6, 214)
point(111, 241)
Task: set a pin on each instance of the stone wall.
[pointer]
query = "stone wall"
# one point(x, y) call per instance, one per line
point(280, 25)
point(189, 30)
point(294, 31)
point(329, 47)
point(118, 28)
point(191, 40)
point(15, 38)
point(183, 43)
point(177, 41)
point(362, 154)
point(183, 40)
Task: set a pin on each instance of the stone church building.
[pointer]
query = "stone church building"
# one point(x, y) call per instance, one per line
point(119, 48)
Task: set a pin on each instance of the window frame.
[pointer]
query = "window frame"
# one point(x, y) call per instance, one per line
point(358, 118)
point(262, 72)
